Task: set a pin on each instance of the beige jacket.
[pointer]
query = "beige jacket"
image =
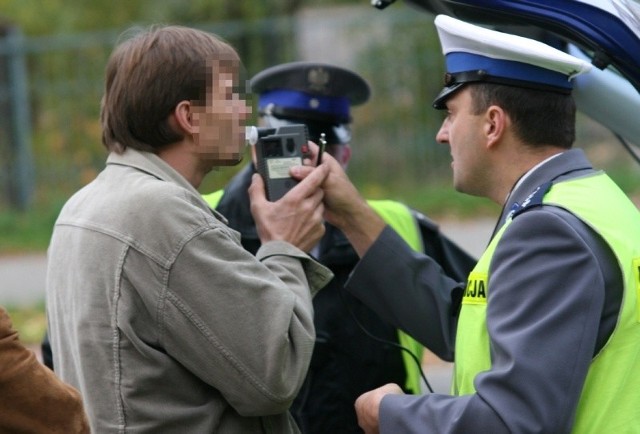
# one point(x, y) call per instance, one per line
point(163, 321)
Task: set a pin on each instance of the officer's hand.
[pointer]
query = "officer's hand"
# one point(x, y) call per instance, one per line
point(344, 207)
point(297, 217)
point(368, 407)
point(340, 195)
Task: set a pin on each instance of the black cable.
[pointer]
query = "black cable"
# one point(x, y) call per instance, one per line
point(385, 341)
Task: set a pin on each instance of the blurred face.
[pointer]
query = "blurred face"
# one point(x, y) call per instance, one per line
point(463, 132)
point(220, 122)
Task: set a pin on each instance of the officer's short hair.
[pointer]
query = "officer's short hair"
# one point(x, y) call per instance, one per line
point(539, 118)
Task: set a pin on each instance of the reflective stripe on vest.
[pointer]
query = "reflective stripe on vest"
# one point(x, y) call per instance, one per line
point(611, 394)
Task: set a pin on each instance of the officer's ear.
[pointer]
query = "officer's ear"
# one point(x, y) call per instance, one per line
point(496, 124)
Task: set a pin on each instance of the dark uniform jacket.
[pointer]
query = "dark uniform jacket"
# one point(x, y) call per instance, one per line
point(346, 361)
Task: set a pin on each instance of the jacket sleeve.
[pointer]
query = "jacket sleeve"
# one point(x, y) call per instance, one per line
point(454, 260)
point(243, 323)
point(409, 290)
point(32, 398)
point(546, 293)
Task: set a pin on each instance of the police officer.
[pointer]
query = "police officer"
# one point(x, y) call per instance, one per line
point(545, 332)
point(346, 361)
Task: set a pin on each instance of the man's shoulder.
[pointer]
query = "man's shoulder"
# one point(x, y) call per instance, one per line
point(140, 207)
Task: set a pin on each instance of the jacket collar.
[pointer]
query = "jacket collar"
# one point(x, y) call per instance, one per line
point(566, 165)
point(155, 166)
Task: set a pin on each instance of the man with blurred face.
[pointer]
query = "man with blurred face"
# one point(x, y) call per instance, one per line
point(156, 313)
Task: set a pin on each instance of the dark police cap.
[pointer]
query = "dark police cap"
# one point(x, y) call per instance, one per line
point(309, 91)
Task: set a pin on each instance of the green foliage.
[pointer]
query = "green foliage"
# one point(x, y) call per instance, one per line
point(440, 201)
point(395, 152)
point(29, 321)
point(404, 69)
point(30, 230)
point(627, 176)
point(46, 17)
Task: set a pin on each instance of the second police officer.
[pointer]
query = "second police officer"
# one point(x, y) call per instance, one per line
point(347, 360)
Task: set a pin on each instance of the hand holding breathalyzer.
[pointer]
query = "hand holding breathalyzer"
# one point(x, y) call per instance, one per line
point(297, 217)
point(277, 150)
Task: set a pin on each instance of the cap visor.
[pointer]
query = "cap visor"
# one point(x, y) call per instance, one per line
point(445, 93)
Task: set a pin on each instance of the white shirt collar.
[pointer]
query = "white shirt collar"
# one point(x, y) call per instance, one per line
point(529, 172)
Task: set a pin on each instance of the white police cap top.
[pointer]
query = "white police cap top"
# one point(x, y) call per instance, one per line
point(474, 54)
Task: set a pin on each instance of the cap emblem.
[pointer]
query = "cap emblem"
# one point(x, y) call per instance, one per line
point(318, 79)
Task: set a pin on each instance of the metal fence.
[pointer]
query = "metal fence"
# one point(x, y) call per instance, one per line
point(50, 90)
point(51, 87)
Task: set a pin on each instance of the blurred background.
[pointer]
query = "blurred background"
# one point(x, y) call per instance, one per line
point(52, 58)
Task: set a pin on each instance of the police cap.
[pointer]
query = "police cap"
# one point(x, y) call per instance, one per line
point(319, 95)
point(478, 54)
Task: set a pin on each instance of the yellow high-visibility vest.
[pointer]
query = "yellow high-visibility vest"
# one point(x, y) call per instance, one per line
point(610, 399)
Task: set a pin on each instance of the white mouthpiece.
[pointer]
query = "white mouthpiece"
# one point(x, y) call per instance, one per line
point(251, 135)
